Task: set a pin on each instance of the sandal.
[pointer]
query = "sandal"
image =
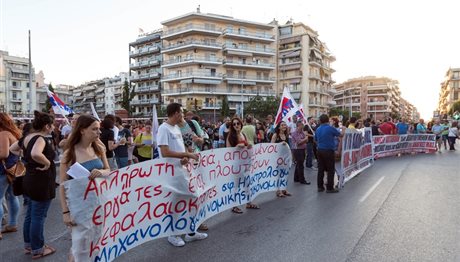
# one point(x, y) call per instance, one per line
point(252, 206)
point(9, 229)
point(237, 210)
point(203, 227)
point(286, 193)
point(47, 250)
point(280, 194)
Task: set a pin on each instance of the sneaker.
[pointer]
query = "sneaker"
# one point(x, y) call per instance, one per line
point(197, 236)
point(176, 241)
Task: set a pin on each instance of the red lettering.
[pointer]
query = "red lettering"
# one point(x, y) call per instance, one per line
point(92, 186)
point(97, 217)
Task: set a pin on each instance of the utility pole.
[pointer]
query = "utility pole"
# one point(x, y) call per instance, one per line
point(32, 90)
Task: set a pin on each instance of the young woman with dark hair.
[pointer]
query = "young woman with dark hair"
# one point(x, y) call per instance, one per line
point(39, 183)
point(237, 139)
point(9, 134)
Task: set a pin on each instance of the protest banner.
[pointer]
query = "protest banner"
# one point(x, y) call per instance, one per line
point(158, 198)
point(393, 145)
point(357, 153)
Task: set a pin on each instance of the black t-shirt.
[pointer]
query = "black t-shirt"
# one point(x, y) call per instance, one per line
point(216, 134)
point(307, 129)
point(106, 136)
point(122, 151)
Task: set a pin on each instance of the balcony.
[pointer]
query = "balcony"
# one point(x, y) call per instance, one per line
point(378, 103)
point(15, 88)
point(183, 31)
point(316, 63)
point(314, 104)
point(147, 89)
point(192, 60)
point(211, 105)
point(254, 64)
point(314, 77)
point(16, 100)
point(331, 103)
point(192, 44)
point(216, 91)
point(142, 77)
point(234, 49)
point(144, 64)
point(248, 80)
point(194, 75)
point(146, 50)
point(243, 35)
point(145, 101)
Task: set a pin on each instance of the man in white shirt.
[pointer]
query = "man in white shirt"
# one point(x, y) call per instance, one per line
point(172, 145)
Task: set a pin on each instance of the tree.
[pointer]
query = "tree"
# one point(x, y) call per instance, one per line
point(260, 108)
point(48, 103)
point(225, 111)
point(128, 95)
point(455, 107)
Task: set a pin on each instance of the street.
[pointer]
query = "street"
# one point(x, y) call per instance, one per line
point(401, 209)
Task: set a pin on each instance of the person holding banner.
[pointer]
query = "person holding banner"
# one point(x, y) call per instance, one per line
point(324, 137)
point(83, 147)
point(237, 139)
point(281, 135)
point(172, 145)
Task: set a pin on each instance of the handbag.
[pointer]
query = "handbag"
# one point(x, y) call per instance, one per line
point(16, 170)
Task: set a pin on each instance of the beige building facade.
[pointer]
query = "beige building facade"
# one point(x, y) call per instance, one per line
point(450, 90)
point(17, 97)
point(370, 96)
point(304, 66)
point(207, 57)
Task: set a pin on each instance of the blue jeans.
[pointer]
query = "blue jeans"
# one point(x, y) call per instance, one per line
point(121, 161)
point(33, 225)
point(6, 190)
point(309, 161)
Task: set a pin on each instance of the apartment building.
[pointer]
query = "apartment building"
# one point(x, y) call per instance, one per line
point(408, 111)
point(304, 66)
point(207, 57)
point(17, 97)
point(370, 96)
point(450, 90)
point(105, 94)
point(145, 72)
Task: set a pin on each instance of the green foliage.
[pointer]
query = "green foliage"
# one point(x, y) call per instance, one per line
point(48, 104)
point(259, 107)
point(225, 111)
point(454, 108)
point(127, 96)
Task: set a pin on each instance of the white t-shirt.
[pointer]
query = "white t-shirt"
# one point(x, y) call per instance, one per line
point(66, 130)
point(115, 133)
point(170, 136)
point(453, 132)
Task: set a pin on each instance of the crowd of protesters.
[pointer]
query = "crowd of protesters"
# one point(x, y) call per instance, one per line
point(104, 146)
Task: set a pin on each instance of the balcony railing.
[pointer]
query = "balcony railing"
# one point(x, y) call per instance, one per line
point(190, 28)
point(145, 76)
point(147, 88)
point(192, 43)
point(245, 78)
point(192, 74)
point(144, 50)
point(217, 91)
point(257, 50)
point(250, 64)
point(192, 59)
point(262, 36)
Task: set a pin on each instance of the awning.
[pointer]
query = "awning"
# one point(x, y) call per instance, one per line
point(291, 54)
point(238, 53)
point(290, 67)
point(245, 83)
point(295, 81)
point(290, 40)
point(317, 54)
point(206, 81)
point(17, 70)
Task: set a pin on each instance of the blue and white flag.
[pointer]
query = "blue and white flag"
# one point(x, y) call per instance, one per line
point(58, 106)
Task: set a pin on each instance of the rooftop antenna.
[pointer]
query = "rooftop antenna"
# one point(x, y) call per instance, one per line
point(198, 9)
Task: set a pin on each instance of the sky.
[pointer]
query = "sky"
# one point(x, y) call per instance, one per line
point(414, 42)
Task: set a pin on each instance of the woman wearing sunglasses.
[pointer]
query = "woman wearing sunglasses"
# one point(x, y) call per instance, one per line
point(237, 139)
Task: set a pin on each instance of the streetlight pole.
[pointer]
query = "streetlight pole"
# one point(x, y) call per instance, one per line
point(242, 105)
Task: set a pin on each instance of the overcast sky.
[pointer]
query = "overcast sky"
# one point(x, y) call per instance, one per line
point(414, 42)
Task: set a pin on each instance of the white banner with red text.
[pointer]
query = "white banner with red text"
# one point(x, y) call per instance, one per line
point(393, 145)
point(158, 198)
point(357, 153)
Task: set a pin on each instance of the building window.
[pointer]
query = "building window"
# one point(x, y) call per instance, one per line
point(27, 84)
point(14, 83)
point(286, 30)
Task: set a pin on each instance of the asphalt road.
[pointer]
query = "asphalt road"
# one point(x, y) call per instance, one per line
point(401, 209)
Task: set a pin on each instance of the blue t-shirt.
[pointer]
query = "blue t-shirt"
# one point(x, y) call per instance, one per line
point(402, 128)
point(421, 129)
point(324, 137)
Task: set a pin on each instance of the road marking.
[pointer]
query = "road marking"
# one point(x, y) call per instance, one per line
point(369, 192)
